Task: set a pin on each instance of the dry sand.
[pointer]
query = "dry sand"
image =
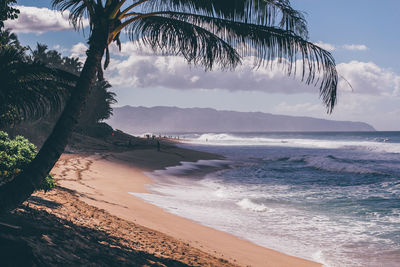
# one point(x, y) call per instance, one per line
point(104, 181)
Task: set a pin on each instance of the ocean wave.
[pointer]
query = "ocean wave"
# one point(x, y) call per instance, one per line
point(330, 163)
point(247, 204)
point(186, 167)
point(326, 163)
point(226, 139)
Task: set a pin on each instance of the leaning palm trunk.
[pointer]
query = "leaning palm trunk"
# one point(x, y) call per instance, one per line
point(207, 32)
point(22, 186)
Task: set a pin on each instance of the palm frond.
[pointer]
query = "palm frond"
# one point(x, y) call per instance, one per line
point(8, 38)
point(186, 34)
point(79, 10)
point(217, 32)
point(263, 12)
point(31, 89)
point(172, 36)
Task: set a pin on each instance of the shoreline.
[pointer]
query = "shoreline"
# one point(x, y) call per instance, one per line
point(104, 180)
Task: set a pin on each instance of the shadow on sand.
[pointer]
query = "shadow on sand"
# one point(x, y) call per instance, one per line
point(30, 237)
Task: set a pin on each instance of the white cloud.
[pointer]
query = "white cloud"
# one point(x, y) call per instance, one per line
point(353, 47)
point(368, 78)
point(142, 71)
point(40, 20)
point(326, 46)
point(129, 49)
point(79, 50)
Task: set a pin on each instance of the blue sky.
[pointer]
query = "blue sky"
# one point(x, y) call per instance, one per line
point(363, 37)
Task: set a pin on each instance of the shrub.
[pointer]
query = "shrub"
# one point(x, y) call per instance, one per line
point(15, 155)
point(48, 183)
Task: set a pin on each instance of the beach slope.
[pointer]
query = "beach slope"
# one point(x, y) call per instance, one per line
point(105, 180)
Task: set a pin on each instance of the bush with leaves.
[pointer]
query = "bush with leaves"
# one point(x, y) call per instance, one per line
point(15, 155)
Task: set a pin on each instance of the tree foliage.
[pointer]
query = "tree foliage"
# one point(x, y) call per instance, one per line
point(7, 38)
point(15, 155)
point(98, 106)
point(29, 89)
point(7, 11)
point(53, 59)
point(37, 84)
point(214, 32)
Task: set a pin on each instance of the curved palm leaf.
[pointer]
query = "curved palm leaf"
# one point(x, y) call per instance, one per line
point(217, 32)
point(8, 38)
point(262, 12)
point(263, 42)
point(30, 90)
point(178, 37)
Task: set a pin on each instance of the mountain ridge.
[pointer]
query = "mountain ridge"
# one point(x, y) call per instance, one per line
point(174, 119)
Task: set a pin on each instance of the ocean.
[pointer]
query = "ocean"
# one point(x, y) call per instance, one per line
point(329, 197)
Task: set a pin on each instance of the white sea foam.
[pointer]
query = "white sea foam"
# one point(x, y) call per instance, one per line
point(331, 164)
point(224, 139)
point(278, 226)
point(186, 166)
point(326, 222)
point(250, 205)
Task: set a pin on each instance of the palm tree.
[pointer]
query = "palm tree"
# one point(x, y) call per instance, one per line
point(53, 59)
point(205, 32)
point(8, 38)
point(98, 106)
point(71, 64)
point(29, 90)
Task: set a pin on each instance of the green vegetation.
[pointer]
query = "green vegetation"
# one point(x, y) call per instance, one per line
point(15, 155)
point(7, 11)
point(36, 91)
point(29, 89)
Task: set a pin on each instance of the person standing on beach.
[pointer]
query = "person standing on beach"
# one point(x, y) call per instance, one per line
point(158, 146)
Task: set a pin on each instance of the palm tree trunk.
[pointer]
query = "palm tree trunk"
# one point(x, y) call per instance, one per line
point(22, 186)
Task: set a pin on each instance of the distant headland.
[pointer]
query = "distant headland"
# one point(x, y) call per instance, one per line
point(173, 119)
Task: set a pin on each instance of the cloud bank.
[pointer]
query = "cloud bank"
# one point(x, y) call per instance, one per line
point(369, 78)
point(40, 20)
point(144, 70)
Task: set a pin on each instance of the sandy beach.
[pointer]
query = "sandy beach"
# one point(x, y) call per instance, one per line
point(105, 180)
point(93, 192)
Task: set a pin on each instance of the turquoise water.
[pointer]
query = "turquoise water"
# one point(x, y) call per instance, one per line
point(329, 197)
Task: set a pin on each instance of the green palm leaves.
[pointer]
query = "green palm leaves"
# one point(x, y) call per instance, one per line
point(29, 90)
point(217, 32)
